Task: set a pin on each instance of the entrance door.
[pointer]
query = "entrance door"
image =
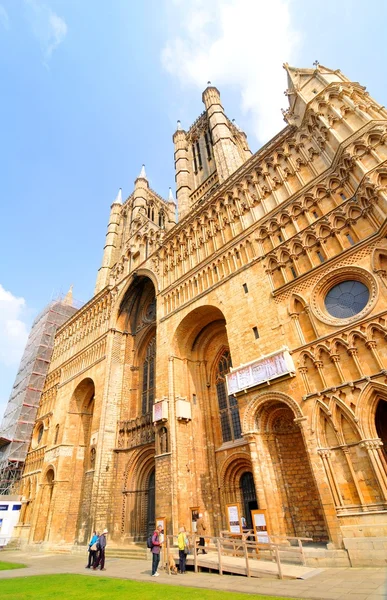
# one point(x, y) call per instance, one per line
point(249, 497)
point(151, 517)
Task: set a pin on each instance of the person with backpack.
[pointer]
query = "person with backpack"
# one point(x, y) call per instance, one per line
point(156, 549)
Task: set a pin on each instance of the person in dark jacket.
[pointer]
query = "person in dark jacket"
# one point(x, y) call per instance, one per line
point(100, 562)
point(92, 553)
point(156, 549)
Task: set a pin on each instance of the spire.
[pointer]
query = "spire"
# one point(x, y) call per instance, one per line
point(68, 299)
point(142, 173)
point(170, 196)
point(118, 199)
point(178, 128)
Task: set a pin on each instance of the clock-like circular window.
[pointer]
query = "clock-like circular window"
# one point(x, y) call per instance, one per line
point(347, 299)
point(344, 295)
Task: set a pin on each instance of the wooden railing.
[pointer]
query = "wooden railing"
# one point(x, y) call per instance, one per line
point(244, 545)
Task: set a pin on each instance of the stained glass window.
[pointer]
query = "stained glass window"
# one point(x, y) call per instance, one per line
point(228, 405)
point(346, 299)
point(148, 377)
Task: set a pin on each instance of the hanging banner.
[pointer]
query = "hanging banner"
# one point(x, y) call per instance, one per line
point(262, 370)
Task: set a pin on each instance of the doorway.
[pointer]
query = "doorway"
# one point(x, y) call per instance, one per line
point(151, 516)
point(249, 497)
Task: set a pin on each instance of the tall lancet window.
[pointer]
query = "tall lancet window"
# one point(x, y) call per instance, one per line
point(228, 405)
point(148, 377)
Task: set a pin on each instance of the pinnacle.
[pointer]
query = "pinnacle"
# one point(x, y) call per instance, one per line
point(143, 173)
point(118, 199)
point(68, 299)
point(170, 196)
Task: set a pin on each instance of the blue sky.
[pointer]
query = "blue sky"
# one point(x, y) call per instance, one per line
point(91, 89)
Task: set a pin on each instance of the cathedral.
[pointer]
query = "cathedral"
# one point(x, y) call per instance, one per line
point(235, 356)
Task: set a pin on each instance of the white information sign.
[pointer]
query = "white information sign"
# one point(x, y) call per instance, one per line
point(260, 527)
point(233, 518)
point(259, 371)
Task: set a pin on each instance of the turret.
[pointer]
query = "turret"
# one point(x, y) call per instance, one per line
point(140, 194)
point(227, 156)
point(183, 171)
point(111, 244)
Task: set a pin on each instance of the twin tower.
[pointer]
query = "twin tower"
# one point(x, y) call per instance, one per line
point(206, 155)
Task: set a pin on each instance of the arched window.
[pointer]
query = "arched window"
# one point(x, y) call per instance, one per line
point(148, 377)
point(228, 405)
point(161, 219)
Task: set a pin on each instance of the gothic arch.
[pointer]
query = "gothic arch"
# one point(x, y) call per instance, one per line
point(367, 405)
point(122, 297)
point(251, 420)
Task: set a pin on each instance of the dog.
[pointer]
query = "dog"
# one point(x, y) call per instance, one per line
point(172, 564)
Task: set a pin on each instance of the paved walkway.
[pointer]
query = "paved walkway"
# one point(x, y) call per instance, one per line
point(330, 584)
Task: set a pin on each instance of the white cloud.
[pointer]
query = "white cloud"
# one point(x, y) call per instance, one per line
point(13, 329)
point(4, 19)
point(241, 43)
point(49, 29)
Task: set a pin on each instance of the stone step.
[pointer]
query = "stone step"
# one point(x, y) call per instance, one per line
point(133, 551)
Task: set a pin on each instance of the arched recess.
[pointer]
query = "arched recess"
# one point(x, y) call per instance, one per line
point(351, 462)
point(42, 528)
point(201, 339)
point(78, 432)
point(137, 315)
point(300, 314)
point(237, 485)
point(203, 358)
point(292, 497)
point(139, 492)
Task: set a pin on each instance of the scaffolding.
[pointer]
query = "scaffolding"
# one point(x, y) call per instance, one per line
point(20, 412)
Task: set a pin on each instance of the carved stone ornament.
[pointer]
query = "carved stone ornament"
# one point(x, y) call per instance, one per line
point(328, 281)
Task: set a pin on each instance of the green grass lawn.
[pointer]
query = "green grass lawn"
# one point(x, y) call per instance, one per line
point(6, 566)
point(81, 587)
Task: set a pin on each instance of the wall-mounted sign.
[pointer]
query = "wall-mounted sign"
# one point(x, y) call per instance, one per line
point(160, 411)
point(233, 519)
point(3, 506)
point(259, 371)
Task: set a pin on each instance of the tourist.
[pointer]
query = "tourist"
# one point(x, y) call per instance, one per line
point(200, 530)
point(92, 549)
point(100, 562)
point(156, 548)
point(182, 542)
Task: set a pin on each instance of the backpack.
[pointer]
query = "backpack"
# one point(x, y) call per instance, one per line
point(149, 543)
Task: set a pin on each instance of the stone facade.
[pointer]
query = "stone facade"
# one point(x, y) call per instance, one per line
point(283, 249)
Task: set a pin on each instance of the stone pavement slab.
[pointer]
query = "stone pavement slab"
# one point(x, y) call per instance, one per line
point(329, 584)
